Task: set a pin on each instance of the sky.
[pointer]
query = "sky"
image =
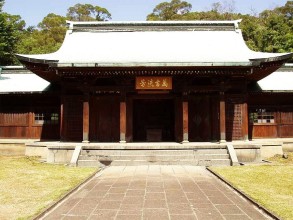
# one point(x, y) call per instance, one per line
point(33, 11)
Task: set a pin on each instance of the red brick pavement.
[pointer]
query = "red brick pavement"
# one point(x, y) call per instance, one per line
point(155, 192)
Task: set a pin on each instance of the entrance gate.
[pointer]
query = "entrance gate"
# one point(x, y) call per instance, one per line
point(153, 120)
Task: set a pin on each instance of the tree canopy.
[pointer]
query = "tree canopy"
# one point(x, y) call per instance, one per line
point(10, 28)
point(47, 38)
point(169, 10)
point(1, 5)
point(270, 31)
point(49, 34)
point(88, 12)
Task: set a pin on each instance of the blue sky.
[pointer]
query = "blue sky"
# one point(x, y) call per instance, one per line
point(33, 11)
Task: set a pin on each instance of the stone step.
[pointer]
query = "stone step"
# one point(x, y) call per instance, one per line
point(95, 163)
point(154, 157)
point(216, 162)
point(91, 163)
point(154, 152)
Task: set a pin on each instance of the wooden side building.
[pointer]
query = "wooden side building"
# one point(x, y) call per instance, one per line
point(149, 82)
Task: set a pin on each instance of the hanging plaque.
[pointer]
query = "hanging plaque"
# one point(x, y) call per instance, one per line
point(153, 83)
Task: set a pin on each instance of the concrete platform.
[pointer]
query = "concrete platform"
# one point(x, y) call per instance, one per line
point(155, 192)
point(61, 152)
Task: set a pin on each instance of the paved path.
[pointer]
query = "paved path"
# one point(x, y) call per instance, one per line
point(156, 193)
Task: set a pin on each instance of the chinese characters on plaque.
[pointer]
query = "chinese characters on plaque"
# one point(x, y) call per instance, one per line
point(153, 82)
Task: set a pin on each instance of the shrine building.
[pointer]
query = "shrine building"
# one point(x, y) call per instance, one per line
point(171, 81)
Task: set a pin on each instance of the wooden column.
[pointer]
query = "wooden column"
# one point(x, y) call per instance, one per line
point(185, 120)
point(222, 118)
point(62, 120)
point(129, 120)
point(85, 119)
point(245, 121)
point(30, 133)
point(122, 121)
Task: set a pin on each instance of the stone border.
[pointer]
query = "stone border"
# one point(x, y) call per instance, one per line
point(269, 213)
point(54, 204)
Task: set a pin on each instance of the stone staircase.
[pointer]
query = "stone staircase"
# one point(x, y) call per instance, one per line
point(189, 156)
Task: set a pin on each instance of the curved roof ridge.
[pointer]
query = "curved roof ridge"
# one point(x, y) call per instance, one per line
point(149, 25)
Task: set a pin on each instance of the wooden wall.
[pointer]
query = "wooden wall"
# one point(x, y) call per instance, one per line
point(281, 105)
point(17, 116)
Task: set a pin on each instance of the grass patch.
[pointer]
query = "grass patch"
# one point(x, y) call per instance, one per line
point(269, 185)
point(28, 186)
point(279, 159)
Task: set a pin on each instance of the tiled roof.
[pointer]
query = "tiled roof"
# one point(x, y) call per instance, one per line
point(139, 44)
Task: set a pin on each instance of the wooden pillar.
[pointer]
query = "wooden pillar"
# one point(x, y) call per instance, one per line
point(222, 118)
point(62, 120)
point(129, 120)
point(122, 121)
point(245, 121)
point(85, 119)
point(185, 120)
point(30, 124)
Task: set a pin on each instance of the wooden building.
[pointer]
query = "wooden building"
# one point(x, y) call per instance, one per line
point(148, 82)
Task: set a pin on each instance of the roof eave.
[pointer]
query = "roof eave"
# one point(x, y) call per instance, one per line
point(34, 60)
point(155, 64)
point(283, 57)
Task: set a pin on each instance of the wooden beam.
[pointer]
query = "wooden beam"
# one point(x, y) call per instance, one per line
point(122, 121)
point(185, 121)
point(222, 118)
point(86, 111)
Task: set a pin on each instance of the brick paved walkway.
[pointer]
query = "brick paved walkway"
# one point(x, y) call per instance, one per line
point(156, 193)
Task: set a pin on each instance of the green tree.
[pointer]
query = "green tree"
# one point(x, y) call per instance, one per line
point(252, 31)
point(1, 5)
point(46, 39)
point(49, 34)
point(270, 31)
point(88, 12)
point(169, 11)
point(277, 34)
point(10, 29)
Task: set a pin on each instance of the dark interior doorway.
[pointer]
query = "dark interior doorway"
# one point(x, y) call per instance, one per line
point(153, 120)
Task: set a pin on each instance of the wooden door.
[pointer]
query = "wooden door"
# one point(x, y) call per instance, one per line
point(73, 111)
point(199, 118)
point(104, 119)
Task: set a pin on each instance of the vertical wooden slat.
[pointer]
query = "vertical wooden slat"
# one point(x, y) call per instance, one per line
point(245, 121)
point(30, 124)
point(85, 117)
point(129, 120)
point(222, 118)
point(185, 120)
point(122, 121)
point(62, 122)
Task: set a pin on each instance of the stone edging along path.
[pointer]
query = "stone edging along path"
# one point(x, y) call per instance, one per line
point(269, 213)
point(54, 204)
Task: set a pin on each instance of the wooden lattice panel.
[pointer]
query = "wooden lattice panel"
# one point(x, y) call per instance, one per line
point(234, 122)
